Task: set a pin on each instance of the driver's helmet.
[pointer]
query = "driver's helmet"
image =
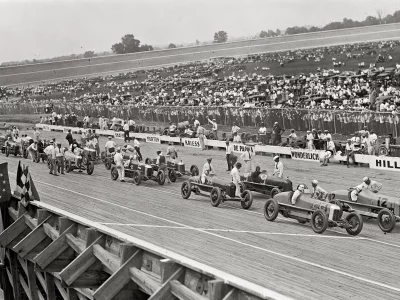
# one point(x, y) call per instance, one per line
point(366, 180)
point(301, 187)
point(314, 182)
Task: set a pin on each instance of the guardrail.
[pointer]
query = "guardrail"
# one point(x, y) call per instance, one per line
point(49, 250)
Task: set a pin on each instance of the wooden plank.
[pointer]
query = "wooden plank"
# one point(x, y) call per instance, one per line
point(50, 286)
point(13, 231)
point(91, 235)
point(31, 240)
point(75, 243)
point(119, 279)
point(64, 223)
point(30, 222)
point(182, 292)
point(10, 277)
point(151, 263)
point(72, 294)
point(168, 267)
point(21, 209)
point(52, 251)
point(81, 263)
point(126, 252)
point(24, 286)
point(216, 289)
point(15, 275)
point(86, 292)
point(231, 295)
point(40, 295)
point(51, 231)
point(33, 289)
point(63, 292)
point(147, 283)
point(89, 279)
point(164, 292)
point(23, 264)
point(13, 213)
point(40, 277)
point(42, 214)
point(108, 259)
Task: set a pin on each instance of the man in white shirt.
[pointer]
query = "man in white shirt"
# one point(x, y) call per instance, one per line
point(330, 150)
point(350, 149)
point(214, 127)
point(236, 178)
point(126, 132)
point(292, 138)
point(119, 163)
point(237, 138)
point(32, 149)
point(110, 145)
point(58, 159)
point(310, 140)
point(278, 167)
point(36, 134)
point(373, 139)
point(49, 150)
point(262, 132)
point(359, 188)
point(229, 153)
point(208, 167)
point(247, 159)
point(235, 129)
point(136, 145)
point(297, 193)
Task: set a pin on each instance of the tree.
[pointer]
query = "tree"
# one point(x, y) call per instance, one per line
point(129, 44)
point(370, 21)
point(171, 46)
point(197, 42)
point(380, 14)
point(263, 34)
point(220, 37)
point(278, 32)
point(88, 54)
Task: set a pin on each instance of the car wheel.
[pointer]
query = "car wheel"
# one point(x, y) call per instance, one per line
point(194, 170)
point(172, 175)
point(337, 202)
point(107, 163)
point(386, 220)
point(186, 189)
point(274, 192)
point(160, 177)
point(114, 173)
point(16, 151)
point(271, 209)
point(148, 161)
point(7, 151)
point(90, 168)
point(355, 223)
point(216, 196)
point(248, 199)
point(319, 221)
point(242, 187)
point(137, 178)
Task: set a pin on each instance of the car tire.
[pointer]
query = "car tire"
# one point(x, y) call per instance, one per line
point(114, 173)
point(107, 164)
point(271, 209)
point(137, 177)
point(319, 221)
point(90, 168)
point(248, 199)
point(389, 223)
point(337, 202)
point(172, 175)
point(186, 189)
point(194, 170)
point(274, 192)
point(160, 177)
point(15, 151)
point(215, 196)
point(354, 219)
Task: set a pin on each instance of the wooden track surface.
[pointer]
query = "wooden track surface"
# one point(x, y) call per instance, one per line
point(283, 255)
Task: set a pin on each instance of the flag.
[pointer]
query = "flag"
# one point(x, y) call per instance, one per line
point(25, 188)
point(5, 190)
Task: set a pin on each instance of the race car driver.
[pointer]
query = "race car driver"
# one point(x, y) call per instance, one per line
point(317, 191)
point(297, 193)
point(359, 188)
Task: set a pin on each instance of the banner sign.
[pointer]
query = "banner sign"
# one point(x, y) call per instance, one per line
point(194, 143)
point(65, 129)
point(46, 128)
point(119, 135)
point(384, 163)
point(153, 139)
point(308, 155)
point(242, 148)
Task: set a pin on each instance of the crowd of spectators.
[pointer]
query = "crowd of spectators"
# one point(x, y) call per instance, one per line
point(225, 82)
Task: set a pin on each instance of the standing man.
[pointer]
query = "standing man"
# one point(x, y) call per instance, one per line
point(69, 137)
point(59, 158)
point(171, 151)
point(310, 139)
point(278, 168)
point(110, 145)
point(373, 138)
point(126, 132)
point(119, 163)
point(32, 149)
point(49, 150)
point(247, 158)
point(236, 178)
point(262, 132)
point(200, 134)
point(136, 145)
point(292, 138)
point(330, 150)
point(235, 129)
point(350, 151)
point(277, 134)
point(36, 134)
point(229, 153)
point(214, 127)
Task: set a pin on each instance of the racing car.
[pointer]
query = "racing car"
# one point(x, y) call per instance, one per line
point(218, 190)
point(320, 214)
point(140, 172)
point(12, 147)
point(176, 170)
point(87, 164)
point(266, 185)
point(385, 209)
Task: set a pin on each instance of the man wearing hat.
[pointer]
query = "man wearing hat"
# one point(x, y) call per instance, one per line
point(214, 127)
point(126, 132)
point(49, 150)
point(229, 155)
point(278, 168)
point(58, 159)
point(162, 165)
point(208, 167)
point(350, 149)
point(310, 140)
point(236, 178)
point(200, 133)
point(276, 134)
point(136, 146)
point(119, 163)
point(110, 145)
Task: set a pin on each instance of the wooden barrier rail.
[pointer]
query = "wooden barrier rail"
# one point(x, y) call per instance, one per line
point(52, 253)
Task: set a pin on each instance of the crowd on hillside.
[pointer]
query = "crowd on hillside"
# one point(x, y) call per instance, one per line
point(225, 82)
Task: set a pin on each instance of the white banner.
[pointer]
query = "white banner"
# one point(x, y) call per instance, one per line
point(384, 163)
point(242, 148)
point(194, 143)
point(153, 139)
point(65, 129)
point(119, 135)
point(46, 128)
point(308, 155)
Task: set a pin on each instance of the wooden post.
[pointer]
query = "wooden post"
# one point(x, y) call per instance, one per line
point(15, 276)
point(50, 286)
point(33, 289)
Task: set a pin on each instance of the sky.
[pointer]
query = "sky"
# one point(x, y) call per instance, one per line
point(37, 29)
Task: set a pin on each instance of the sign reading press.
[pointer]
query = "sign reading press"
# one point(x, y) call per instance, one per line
point(308, 155)
point(385, 163)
